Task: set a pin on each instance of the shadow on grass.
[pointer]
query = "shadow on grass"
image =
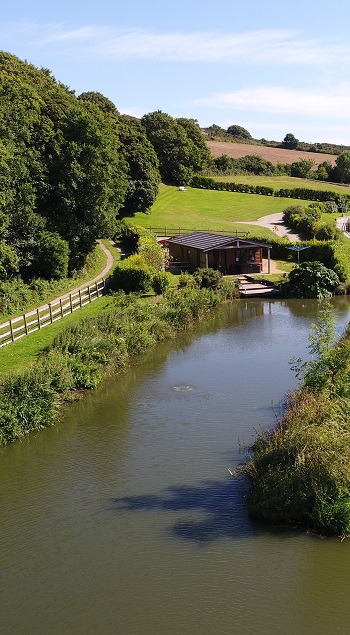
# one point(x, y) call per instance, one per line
point(209, 511)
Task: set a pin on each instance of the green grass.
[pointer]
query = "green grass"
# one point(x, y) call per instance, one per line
point(210, 210)
point(23, 352)
point(279, 182)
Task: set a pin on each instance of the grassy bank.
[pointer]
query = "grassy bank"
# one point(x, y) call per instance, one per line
point(300, 471)
point(87, 349)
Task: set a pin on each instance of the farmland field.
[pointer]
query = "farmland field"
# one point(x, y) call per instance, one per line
point(275, 155)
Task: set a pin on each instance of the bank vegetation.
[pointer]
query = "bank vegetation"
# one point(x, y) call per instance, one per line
point(299, 471)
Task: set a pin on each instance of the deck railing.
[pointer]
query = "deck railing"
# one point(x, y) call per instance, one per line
point(37, 319)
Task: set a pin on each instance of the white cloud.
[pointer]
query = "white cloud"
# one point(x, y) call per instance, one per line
point(280, 46)
point(283, 100)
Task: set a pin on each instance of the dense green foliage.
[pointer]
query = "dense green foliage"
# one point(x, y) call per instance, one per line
point(300, 472)
point(290, 141)
point(312, 280)
point(239, 132)
point(179, 145)
point(69, 166)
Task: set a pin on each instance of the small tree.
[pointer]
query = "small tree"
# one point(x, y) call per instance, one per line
point(238, 131)
point(290, 141)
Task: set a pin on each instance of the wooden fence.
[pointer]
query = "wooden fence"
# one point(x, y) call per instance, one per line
point(175, 231)
point(18, 327)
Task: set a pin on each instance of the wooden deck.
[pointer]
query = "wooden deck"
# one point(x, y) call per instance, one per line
point(251, 288)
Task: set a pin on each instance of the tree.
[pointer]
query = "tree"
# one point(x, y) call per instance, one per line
point(200, 151)
point(61, 169)
point(302, 169)
point(342, 170)
point(290, 141)
point(325, 171)
point(238, 131)
point(179, 145)
point(143, 166)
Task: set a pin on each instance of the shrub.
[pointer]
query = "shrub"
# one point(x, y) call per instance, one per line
point(207, 278)
point(130, 279)
point(160, 282)
point(186, 280)
point(312, 280)
point(228, 289)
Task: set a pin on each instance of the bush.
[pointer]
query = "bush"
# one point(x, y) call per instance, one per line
point(228, 289)
point(207, 278)
point(131, 279)
point(312, 280)
point(160, 282)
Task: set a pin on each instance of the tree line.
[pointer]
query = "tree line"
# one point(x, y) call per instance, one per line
point(71, 166)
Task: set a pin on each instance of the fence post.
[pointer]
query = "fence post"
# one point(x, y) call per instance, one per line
point(80, 300)
point(12, 333)
point(50, 307)
point(38, 316)
point(71, 303)
point(97, 289)
point(89, 292)
point(61, 306)
point(25, 323)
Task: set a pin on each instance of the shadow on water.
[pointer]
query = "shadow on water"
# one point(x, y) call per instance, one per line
point(215, 510)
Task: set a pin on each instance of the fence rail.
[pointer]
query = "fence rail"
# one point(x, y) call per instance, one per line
point(174, 231)
point(27, 323)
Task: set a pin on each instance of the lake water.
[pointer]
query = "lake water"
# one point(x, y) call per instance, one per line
point(123, 518)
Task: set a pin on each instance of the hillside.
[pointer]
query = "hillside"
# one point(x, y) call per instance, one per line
point(275, 155)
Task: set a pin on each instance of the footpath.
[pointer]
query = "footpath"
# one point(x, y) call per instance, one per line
point(56, 309)
point(103, 274)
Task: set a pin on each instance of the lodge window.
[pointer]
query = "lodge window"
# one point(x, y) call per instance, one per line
point(245, 255)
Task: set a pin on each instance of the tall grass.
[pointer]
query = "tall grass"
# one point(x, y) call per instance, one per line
point(86, 350)
point(300, 471)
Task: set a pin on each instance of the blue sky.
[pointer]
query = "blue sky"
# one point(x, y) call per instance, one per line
point(270, 66)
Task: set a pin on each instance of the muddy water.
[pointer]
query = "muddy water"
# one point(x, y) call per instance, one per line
point(123, 518)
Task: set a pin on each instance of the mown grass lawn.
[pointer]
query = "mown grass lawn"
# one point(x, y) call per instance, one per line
point(210, 210)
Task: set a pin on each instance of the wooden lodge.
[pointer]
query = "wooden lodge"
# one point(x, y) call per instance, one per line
point(228, 254)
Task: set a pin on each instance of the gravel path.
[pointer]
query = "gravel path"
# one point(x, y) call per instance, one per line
point(64, 296)
point(274, 222)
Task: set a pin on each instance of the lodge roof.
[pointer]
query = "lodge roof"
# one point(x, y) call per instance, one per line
point(208, 242)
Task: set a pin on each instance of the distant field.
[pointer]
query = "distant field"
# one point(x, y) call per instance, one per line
point(275, 155)
point(210, 210)
point(279, 182)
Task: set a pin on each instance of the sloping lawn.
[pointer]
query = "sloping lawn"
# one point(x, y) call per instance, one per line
point(210, 210)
